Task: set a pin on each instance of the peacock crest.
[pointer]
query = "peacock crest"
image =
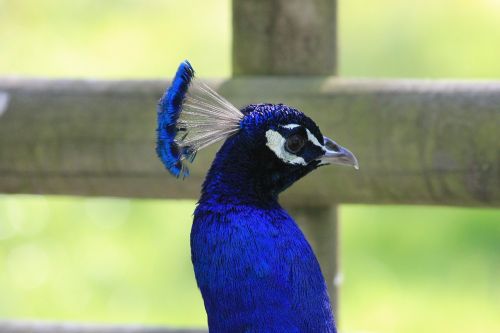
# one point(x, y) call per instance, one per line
point(191, 116)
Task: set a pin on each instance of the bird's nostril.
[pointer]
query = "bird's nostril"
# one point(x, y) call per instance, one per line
point(332, 146)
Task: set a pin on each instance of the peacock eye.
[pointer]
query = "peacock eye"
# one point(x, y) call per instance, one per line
point(294, 143)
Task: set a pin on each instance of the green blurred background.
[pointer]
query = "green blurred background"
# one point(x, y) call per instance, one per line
point(405, 269)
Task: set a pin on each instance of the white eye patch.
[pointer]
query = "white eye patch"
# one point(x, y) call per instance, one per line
point(276, 142)
point(313, 140)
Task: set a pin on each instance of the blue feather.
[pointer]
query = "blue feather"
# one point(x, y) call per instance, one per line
point(169, 109)
point(254, 267)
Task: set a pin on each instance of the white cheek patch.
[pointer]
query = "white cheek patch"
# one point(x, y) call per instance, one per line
point(276, 143)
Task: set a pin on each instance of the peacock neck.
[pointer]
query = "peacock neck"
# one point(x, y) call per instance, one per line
point(241, 181)
point(245, 173)
point(238, 184)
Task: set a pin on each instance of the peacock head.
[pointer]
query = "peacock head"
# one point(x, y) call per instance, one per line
point(271, 145)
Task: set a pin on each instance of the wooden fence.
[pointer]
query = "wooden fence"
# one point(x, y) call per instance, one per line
point(418, 142)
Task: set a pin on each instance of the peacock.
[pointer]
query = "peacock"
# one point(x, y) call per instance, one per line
point(254, 267)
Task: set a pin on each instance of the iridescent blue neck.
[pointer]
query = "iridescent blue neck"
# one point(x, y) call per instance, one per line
point(255, 176)
point(240, 180)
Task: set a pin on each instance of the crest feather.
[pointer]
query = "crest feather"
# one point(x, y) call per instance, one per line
point(191, 116)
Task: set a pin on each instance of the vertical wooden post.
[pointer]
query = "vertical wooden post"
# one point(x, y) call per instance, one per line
point(284, 37)
point(293, 37)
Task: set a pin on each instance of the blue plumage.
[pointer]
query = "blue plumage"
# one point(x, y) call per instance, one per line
point(253, 265)
point(169, 109)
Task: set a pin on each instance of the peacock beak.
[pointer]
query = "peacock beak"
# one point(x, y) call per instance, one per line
point(336, 154)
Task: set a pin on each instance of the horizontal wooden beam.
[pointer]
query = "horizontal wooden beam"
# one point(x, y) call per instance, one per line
point(12, 326)
point(418, 142)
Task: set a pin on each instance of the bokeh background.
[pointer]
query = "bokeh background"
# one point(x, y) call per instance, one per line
point(405, 269)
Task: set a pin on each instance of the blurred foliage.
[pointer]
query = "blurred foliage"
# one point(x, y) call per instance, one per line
point(104, 260)
point(406, 269)
point(420, 38)
point(132, 38)
point(113, 39)
point(420, 269)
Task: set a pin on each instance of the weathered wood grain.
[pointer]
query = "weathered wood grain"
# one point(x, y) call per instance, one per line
point(11, 326)
point(284, 37)
point(418, 142)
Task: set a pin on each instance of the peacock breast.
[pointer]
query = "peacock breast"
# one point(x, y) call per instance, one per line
point(254, 267)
